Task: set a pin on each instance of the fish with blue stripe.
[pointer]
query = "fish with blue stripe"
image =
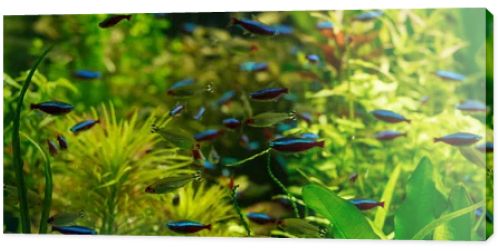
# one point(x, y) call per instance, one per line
point(84, 125)
point(459, 139)
point(294, 145)
point(87, 74)
point(366, 204)
point(187, 227)
point(389, 116)
point(261, 218)
point(449, 75)
point(254, 27)
point(53, 107)
point(209, 134)
point(74, 230)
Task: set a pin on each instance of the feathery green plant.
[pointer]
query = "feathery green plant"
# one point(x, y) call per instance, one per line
point(113, 163)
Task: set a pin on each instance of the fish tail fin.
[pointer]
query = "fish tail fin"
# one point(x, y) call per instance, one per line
point(321, 143)
point(408, 121)
point(436, 140)
point(33, 106)
point(209, 227)
point(128, 17)
point(405, 134)
point(382, 204)
point(98, 121)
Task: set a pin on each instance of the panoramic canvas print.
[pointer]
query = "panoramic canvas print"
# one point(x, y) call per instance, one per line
point(353, 124)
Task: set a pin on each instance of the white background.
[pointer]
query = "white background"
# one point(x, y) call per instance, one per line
point(37, 242)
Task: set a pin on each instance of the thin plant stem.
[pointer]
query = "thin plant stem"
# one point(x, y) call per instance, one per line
point(238, 210)
point(22, 191)
point(249, 158)
point(47, 199)
point(278, 182)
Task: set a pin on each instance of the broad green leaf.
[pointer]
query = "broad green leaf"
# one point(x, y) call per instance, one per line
point(347, 221)
point(459, 228)
point(381, 213)
point(423, 202)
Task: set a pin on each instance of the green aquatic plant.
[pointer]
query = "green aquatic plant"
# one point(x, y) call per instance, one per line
point(47, 200)
point(16, 149)
point(237, 207)
point(208, 204)
point(346, 220)
point(114, 162)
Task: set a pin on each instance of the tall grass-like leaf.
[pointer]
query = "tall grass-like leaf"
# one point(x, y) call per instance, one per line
point(461, 227)
point(381, 213)
point(423, 203)
point(347, 221)
point(47, 199)
point(427, 230)
point(16, 149)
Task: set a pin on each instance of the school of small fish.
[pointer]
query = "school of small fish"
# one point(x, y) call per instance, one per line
point(190, 86)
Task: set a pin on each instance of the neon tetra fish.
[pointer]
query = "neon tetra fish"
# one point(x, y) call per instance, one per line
point(389, 116)
point(261, 218)
point(312, 58)
point(366, 204)
point(268, 94)
point(290, 144)
point(231, 123)
point(52, 147)
point(472, 106)
point(200, 113)
point(210, 134)
point(449, 75)
point(225, 98)
point(78, 230)
point(63, 144)
point(83, 126)
point(459, 139)
point(176, 110)
point(254, 26)
point(113, 20)
point(389, 135)
point(283, 29)
point(86, 74)
point(254, 66)
point(324, 25)
point(187, 227)
point(53, 107)
point(182, 88)
point(368, 16)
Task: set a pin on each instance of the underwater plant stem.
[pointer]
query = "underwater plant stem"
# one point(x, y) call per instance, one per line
point(110, 214)
point(238, 210)
point(47, 199)
point(278, 182)
point(22, 191)
point(249, 158)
